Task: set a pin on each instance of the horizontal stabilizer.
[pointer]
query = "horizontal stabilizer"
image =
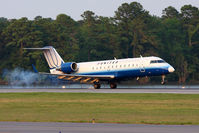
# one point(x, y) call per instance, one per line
point(44, 48)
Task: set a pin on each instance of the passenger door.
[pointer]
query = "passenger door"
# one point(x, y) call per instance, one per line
point(141, 66)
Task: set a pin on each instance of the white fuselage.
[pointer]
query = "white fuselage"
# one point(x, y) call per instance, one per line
point(126, 68)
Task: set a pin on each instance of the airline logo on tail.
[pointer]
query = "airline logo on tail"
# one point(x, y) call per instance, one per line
point(53, 58)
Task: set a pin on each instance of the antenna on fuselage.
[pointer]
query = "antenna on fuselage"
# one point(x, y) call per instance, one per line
point(115, 58)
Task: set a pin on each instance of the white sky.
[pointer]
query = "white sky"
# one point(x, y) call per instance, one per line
point(51, 8)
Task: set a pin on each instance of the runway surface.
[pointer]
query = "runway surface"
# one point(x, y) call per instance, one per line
point(91, 90)
point(52, 127)
point(55, 127)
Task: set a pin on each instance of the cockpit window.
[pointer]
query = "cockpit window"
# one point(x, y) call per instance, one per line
point(161, 61)
point(157, 61)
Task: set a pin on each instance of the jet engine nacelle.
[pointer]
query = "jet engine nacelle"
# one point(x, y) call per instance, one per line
point(69, 67)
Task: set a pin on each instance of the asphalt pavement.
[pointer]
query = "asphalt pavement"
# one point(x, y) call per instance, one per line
point(54, 127)
point(104, 90)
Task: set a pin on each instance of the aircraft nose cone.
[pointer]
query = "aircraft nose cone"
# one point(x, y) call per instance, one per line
point(171, 69)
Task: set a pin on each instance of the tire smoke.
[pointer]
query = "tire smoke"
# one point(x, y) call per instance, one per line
point(21, 77)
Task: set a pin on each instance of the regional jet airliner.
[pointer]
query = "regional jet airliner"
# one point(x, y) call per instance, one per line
point(109, 71)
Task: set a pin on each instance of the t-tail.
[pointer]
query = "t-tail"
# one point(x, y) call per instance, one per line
point(55, 62)
point(53, 59)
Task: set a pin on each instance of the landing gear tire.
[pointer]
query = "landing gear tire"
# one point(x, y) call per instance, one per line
point(97, 86)
point(162, 83)
point(113, 85)
point(163, 80)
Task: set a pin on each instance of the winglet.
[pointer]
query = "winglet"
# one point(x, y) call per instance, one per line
point(34, 68)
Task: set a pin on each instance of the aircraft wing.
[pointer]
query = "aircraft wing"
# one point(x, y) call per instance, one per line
point(81, 78)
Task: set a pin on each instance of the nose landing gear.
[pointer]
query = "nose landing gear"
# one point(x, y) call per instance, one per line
point(163, 80)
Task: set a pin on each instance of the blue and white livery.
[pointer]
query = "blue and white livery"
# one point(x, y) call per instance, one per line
point(111, 71)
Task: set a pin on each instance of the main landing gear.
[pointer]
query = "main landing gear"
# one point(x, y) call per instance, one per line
point(97, 85)
point(113, 85)
point(163, 80)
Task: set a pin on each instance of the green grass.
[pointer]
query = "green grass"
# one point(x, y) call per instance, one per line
point(104, 108)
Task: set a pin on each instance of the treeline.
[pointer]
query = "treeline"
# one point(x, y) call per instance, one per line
point(131, 32)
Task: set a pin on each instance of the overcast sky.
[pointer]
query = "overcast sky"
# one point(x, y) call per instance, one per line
point(51, 8)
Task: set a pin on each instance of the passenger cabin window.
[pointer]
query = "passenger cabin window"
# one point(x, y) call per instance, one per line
point(157, 61)
point(153, 61)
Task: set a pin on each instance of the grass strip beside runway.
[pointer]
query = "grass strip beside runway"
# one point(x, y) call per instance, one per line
point(104, 108)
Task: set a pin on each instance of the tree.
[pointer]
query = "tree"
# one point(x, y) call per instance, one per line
point(67, 22)
point(173, 46)
point(141, 39)
point(88, 35)
point(182, 68)
point(3, 24)
point(66, 37)
point(17, 35)
point(170, 12)
point(189, 12)
point(107, 39)
point(190, 15)
point(132, 22)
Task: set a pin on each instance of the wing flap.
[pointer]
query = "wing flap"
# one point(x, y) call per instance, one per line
point(83, 76)
point(80, 78)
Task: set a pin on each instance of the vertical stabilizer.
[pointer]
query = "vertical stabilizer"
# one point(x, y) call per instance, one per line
point(52, 57)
